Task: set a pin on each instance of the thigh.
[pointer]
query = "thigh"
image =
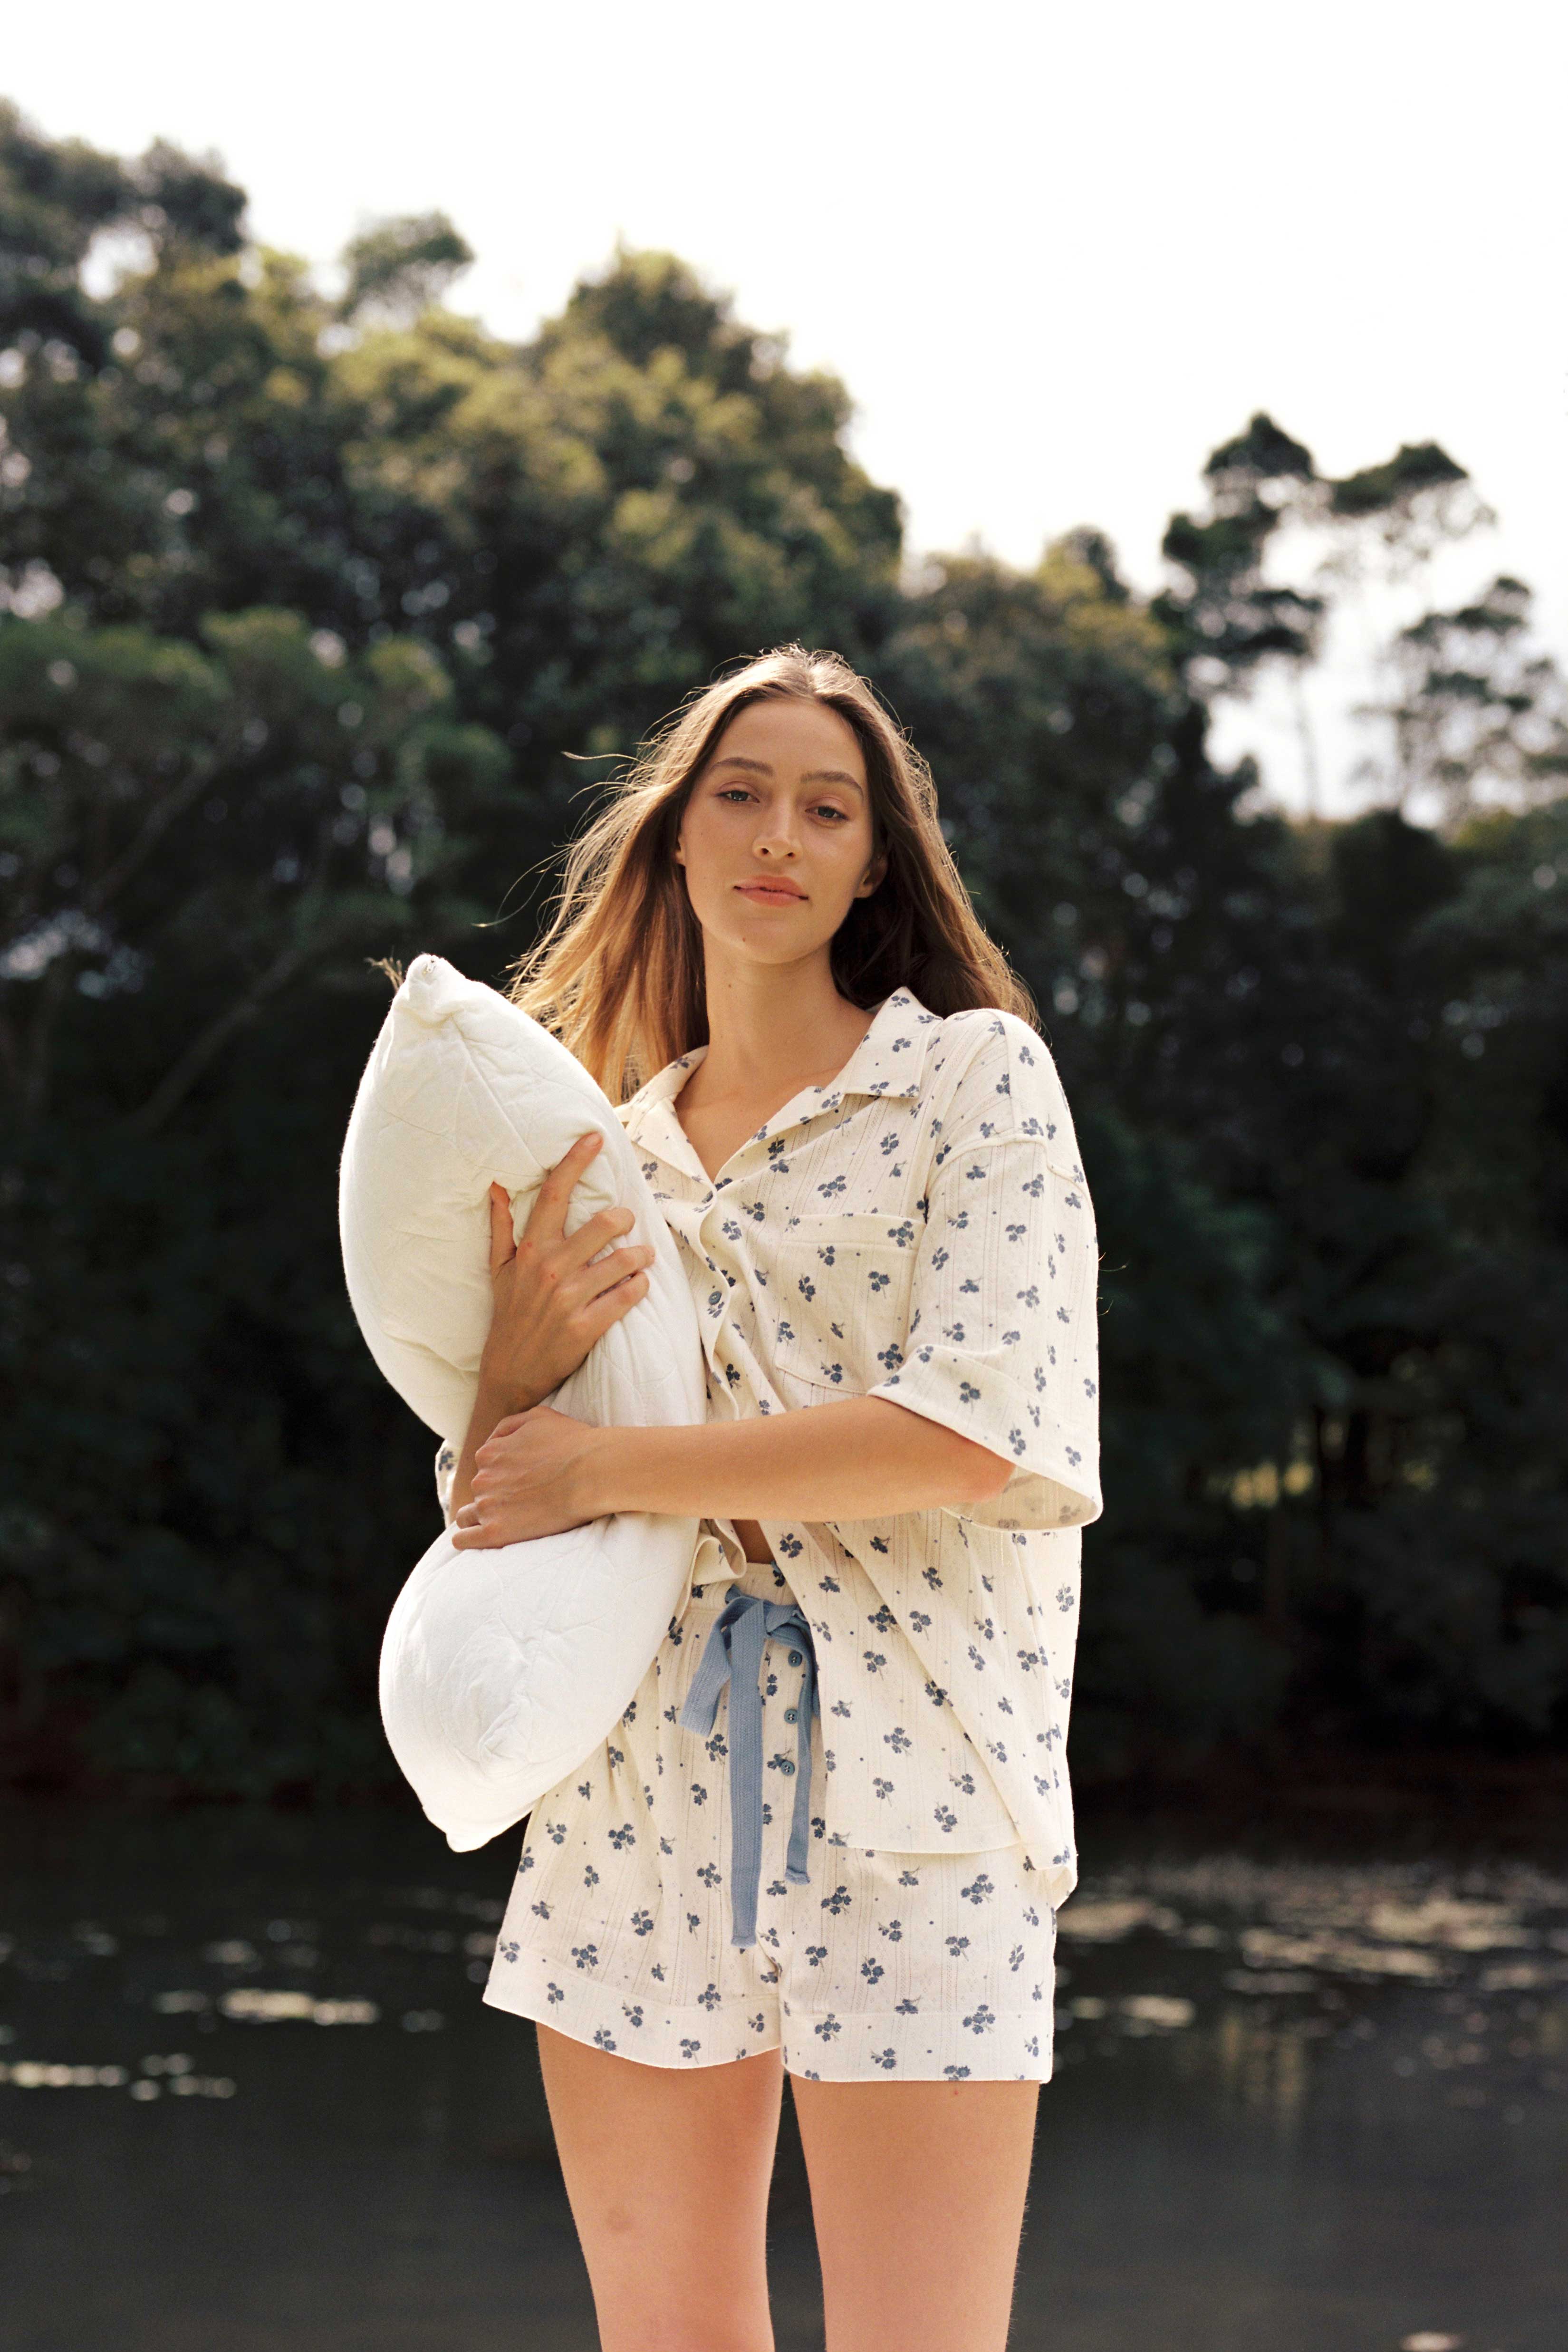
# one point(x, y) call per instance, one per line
point(668, 2171)
point(917, 2192)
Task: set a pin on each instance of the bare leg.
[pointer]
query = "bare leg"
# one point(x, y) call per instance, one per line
point(667, 2171)
point(917, 2191)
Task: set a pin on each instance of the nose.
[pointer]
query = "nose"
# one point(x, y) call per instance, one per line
point(774, 837)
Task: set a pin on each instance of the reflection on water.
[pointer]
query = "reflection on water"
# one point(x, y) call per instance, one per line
point(249, 2096)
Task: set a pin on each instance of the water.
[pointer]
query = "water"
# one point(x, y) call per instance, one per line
point(252, 2100)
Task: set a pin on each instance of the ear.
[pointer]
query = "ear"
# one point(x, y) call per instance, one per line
point(875, 874)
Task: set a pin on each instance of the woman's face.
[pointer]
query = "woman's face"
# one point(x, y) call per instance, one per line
point(783, 799)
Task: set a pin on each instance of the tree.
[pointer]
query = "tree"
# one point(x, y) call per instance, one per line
point(310, 610)
point(1477, 709)
point(400, 268)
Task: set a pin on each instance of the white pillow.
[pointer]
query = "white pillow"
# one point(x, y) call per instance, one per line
point(503, 1668)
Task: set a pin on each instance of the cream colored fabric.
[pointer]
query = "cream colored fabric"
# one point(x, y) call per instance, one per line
point(924, 1967)
point(919, 1230)
point(500, 1668)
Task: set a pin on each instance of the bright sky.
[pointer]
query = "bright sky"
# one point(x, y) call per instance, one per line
point(1057, 253)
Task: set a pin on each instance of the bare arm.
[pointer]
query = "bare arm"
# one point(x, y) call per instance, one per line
point(492, 1405)
point(856, 1458)
point(852, 1458)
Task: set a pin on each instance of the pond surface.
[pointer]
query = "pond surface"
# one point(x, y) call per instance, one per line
point(250, 2099)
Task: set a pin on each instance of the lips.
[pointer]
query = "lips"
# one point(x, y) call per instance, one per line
point(771, 893)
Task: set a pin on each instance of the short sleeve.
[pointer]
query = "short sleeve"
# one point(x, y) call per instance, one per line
point(1003, 1342)
point(446, 1472)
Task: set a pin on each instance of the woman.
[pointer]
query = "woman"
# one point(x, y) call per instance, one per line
point(829, 1834)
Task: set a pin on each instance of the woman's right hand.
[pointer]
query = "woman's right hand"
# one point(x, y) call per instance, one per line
point(551, 1304)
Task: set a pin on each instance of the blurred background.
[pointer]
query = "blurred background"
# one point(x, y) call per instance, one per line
point(1171, 418)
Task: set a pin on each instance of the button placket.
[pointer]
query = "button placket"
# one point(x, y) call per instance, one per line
point(727, 1282)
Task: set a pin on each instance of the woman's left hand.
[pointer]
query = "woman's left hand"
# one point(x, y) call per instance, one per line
point(530, 1479)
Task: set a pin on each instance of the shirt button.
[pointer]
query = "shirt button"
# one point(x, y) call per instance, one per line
point(794, 1657)
point(791, 1715)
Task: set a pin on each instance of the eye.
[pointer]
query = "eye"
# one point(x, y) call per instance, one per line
point(822, 808)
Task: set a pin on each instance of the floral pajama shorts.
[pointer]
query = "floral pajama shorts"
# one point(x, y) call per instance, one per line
point(927, 1966)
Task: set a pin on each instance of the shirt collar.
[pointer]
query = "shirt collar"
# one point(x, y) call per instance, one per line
point(890, 1060)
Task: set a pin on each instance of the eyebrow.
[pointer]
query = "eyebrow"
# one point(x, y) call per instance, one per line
point(816, 776)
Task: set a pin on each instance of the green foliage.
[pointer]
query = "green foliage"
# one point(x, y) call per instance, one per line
point(308, 610)
point(54, 200)
point(224, 823)
point(1224, 619)
point(1474, 700)
point(402, 267)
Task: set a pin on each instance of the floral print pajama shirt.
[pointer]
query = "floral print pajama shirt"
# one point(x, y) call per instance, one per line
point(919, 1230)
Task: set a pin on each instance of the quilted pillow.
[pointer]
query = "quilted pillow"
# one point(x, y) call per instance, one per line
point(502, 1669)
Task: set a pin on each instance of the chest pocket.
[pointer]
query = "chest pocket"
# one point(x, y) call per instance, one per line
point(841, 1289)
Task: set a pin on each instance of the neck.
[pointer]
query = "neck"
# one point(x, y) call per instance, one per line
point(773, 1027)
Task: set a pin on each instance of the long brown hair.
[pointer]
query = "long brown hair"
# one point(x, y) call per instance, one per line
point(618, 974)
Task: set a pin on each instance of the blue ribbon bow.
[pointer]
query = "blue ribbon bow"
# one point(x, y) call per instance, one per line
point(733, 1655)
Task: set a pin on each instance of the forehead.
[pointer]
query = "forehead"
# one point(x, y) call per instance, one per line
point(790, 734)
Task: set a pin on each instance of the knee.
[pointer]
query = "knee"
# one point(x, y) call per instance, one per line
point(656, 2324)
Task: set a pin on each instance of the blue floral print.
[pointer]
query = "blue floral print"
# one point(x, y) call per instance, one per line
point(880, 1964)
point(919, 1230)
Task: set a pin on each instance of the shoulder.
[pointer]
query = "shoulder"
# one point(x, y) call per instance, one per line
point(992, 1074)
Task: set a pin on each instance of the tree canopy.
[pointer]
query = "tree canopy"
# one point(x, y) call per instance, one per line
point(312, 606)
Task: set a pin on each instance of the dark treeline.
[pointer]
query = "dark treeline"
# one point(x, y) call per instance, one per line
point(310, 610)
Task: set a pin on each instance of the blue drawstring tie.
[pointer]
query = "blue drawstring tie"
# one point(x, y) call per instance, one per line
point(733, 1655)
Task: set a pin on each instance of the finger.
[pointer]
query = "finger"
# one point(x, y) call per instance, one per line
point(502, 1245)
point(485, 1451)
point(476, 1537)
point(505, 1427)
point(611, 1303)
point(592, 1243)
point(619, 1272)
point(561, 1181)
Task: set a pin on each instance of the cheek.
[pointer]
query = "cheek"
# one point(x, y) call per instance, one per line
point(857, 852)
point(703, 831)
point(698, 850)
